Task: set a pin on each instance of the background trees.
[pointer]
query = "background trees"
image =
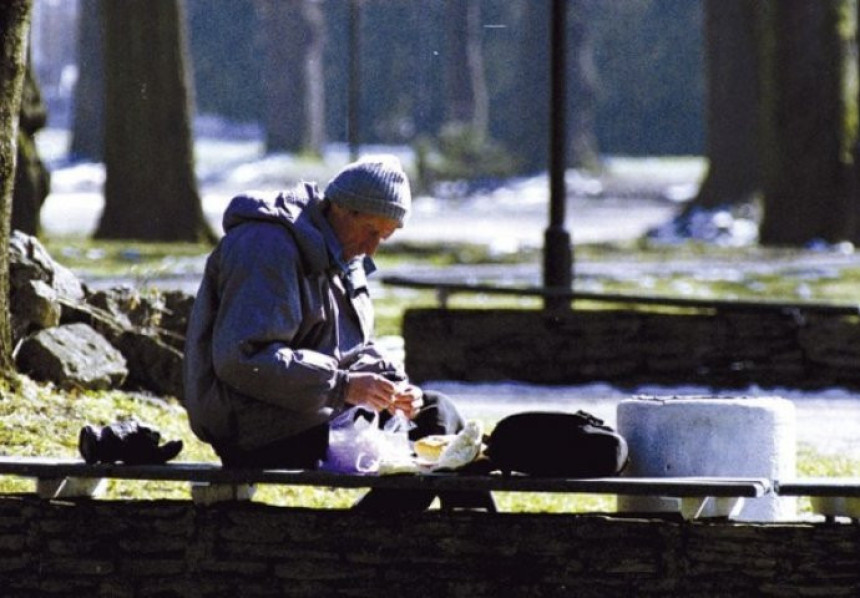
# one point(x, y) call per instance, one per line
point(636, 86)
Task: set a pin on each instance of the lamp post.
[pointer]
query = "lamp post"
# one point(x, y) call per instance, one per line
point(558, 253)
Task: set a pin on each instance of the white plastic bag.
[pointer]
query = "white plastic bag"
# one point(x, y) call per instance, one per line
point(355, 442)
point(396, 453)
point(463, 449)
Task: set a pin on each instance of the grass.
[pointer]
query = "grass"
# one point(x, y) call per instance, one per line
point(40, 420)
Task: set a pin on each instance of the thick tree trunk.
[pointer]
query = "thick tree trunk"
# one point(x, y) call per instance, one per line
point(294, 82)
point(732, 104)
point(150, 189)
point(810, 118)
point(14, 27)
point(88, 119)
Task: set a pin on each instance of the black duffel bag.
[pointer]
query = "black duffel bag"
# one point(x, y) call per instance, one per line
point(556, 444)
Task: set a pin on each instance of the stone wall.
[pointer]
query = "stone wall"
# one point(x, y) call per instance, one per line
point(173, 548)
point(730, 348)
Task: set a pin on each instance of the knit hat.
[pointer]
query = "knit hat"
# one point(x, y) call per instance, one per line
point(374, 185)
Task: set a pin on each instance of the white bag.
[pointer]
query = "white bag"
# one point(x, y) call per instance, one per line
point(355, 442)
point(358, 445)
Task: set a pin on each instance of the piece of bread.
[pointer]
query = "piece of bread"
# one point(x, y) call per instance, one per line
point(430, 447)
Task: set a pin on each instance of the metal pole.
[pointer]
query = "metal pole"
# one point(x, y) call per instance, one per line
point(558, 253)
point(354, 100)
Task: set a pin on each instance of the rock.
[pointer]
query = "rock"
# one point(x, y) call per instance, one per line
point(129, 305)
point(72, 356)
point(29, 260)
point(34, 307)
point(49, 303)
point(153, 364)
point(177, 309)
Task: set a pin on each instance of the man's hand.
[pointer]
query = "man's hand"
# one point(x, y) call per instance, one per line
point(376, 392)
point(408, 398)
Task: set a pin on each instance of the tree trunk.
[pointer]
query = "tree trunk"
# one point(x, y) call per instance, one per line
point(732, 104)
point(809, 122)
point(532, 97)
point(293, 78)
point(150, 188)
point(467, 97)
point(32, 178)
point(88, 118)
point(583, 147)
point(14, 27)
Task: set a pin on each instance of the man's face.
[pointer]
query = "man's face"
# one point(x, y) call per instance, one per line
point(358, 233)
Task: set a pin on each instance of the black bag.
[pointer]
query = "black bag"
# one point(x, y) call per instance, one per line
point(556, 444)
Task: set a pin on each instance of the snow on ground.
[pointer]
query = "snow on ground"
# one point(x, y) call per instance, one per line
point(507, 218)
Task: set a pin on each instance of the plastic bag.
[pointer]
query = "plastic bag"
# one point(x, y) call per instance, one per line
point(395, 454)
point(463, 449)
point(358, 445)
point(355, 442)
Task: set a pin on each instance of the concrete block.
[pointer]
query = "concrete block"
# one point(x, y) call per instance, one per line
point(711, 436)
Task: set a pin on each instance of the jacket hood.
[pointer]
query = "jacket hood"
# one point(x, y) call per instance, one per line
point(294, 210)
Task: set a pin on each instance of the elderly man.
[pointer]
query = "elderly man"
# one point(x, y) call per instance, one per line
point(279, 340)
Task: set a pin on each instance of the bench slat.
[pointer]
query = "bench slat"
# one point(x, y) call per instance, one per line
point(819, 487)
point(37, 467)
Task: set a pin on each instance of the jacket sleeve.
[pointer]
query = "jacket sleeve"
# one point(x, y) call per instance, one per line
point(259, 314)
point(370, 358)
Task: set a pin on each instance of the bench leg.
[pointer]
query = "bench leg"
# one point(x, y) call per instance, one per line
point(210, 494)
point(836, 506)
point(718, 506)
point(49, 488)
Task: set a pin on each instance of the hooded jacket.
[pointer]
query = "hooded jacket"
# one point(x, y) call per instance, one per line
point(277, 322)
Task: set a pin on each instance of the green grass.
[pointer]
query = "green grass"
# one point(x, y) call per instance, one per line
point(39, 420)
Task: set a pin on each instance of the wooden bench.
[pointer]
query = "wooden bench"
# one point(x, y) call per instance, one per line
point(210, 483)
point(831, 497)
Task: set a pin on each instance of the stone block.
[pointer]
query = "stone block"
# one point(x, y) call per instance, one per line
point(708, 436)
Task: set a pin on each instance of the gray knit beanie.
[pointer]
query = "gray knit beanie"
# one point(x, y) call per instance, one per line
point(374, 185)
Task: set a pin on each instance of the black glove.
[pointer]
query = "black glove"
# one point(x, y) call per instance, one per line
point(126, 441)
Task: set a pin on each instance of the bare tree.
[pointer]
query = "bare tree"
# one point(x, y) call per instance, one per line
point(809, 118)
point(294, 80)
point(14, 27)
point(150, 188)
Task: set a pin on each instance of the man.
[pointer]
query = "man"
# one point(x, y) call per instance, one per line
point(279, 340)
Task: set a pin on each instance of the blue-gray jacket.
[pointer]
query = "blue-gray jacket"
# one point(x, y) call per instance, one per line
point(275, 325)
